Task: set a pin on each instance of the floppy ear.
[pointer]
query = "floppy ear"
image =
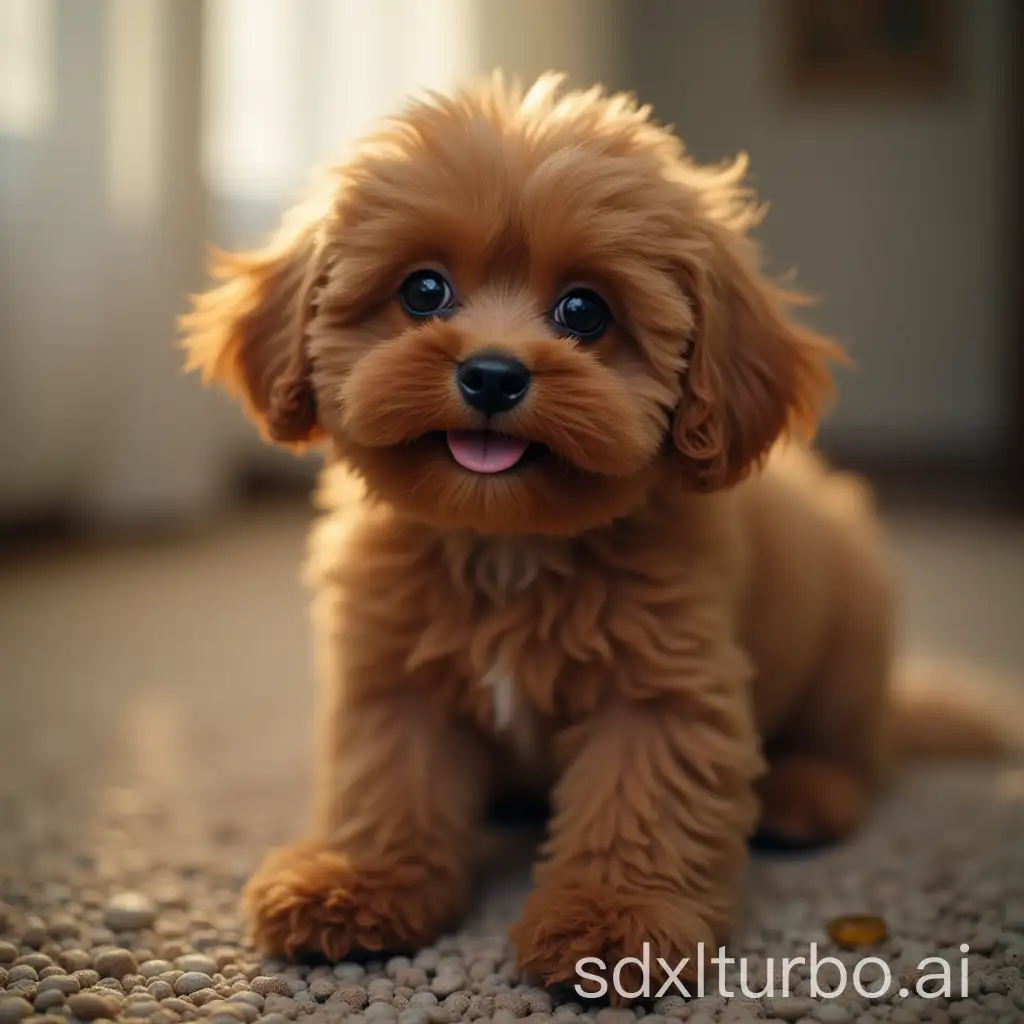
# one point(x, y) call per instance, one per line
point(249, 333)
point(753, 375)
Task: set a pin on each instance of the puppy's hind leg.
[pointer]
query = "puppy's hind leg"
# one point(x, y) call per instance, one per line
point(808, 801)
point(829, 758)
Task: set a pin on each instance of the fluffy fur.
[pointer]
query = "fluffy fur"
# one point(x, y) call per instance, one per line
point(674, 640)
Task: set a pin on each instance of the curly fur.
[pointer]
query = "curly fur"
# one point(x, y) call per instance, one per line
point(642, 621)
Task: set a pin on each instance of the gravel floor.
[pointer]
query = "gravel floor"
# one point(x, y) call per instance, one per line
point(153, 741)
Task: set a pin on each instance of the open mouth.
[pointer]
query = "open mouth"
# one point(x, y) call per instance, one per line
point(486, 451)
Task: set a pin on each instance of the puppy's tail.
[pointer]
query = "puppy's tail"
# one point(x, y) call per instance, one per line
point(953, 710)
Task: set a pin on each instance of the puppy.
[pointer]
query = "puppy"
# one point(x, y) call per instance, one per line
point(535, 340)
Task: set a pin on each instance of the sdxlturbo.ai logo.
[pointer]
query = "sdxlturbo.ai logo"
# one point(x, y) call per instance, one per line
point(870, 977)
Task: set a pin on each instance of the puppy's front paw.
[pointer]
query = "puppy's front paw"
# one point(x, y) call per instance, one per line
point(309, 898)
point(564, 924)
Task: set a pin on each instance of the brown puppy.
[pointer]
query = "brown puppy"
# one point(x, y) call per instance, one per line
point(536, 337)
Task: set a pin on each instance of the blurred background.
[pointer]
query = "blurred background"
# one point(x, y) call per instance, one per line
point(885, 134)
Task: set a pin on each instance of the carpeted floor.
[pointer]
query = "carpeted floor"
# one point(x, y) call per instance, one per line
point(154, 726)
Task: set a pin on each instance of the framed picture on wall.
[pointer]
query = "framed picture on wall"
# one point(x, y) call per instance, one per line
point(870, 47)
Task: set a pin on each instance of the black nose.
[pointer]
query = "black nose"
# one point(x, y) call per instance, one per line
point(493, 384)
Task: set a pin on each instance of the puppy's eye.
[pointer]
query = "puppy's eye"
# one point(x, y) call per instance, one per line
point(426, 293)
point(581, 313)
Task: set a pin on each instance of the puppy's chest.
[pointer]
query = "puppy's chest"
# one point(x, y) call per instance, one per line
point(534, 653)
point(504, 708)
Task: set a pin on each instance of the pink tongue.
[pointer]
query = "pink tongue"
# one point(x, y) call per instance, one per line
point(485, 452)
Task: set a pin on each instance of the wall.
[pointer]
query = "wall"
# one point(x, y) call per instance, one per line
point(583, 39)
point(893, 212)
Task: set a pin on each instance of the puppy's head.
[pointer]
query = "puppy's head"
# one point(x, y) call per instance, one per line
point(517, 314)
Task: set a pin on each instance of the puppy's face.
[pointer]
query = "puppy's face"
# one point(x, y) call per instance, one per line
point(517, 315)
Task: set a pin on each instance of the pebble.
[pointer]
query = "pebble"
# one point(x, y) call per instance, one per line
point(480, 1006)
point(141, 1009)
point(34, 933)
point(984, 940)
point(49, 1000)
point(412, 977)
point(963, 1009)
point(204, 996)
point(321, 990)
point(513, 1003)
point(8, 952)
point(221, 1007)
point(192, 981)
point(670, 1006)
point(265, 985)
point(197, 962)
point(25, 988)
point(273, 1018)
point(282, 1004)
point(611, 1015)
point(63, 926)
point(537, 1000)
point(482, 969)
point(60, 983)
point(86, 978)
point(178, 1005)
point(448, 981)
point(788, 1008)
point(37, 961)
point(154, 968)
point(159, 989)
point(396, 964)
point(74, 960)
point(252, 998)
point(380, 987)
point(115, 963)
point(901, 1015)
point(831, 1013)
point(353, 972)
point(457, 1003)
point(353, 995)
point(129, 912)
point(92, 1005)
point(414, 1015)
point(13, 1009)
point(428, 959)
point(22, 972)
